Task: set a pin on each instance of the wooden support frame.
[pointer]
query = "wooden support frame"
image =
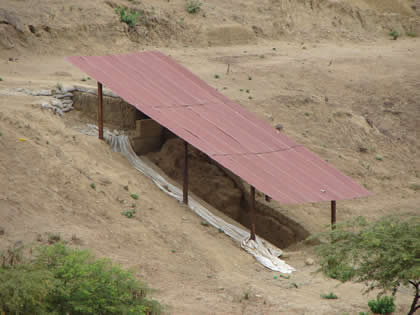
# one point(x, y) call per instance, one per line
point(100, 112)
point(333, 213)
point(185, 184)
point(252, 212)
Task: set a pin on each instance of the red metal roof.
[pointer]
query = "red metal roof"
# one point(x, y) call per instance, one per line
point(249, 147)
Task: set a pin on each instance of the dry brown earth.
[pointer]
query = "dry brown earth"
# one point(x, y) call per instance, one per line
point(339, 93)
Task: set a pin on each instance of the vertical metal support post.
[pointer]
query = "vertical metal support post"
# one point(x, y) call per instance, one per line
point(333, 214)
point(252, 212)
point(185, 186)
point(100, 116)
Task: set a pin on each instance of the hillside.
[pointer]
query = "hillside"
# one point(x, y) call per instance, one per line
point(347, 92)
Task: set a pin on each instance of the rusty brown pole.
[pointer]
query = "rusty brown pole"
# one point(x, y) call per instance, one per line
point(185, 188)
point(333, 214)
point(100, 116)
point(252, 212)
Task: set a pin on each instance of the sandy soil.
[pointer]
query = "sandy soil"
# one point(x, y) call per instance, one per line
point(325, 70)
point(45, 181)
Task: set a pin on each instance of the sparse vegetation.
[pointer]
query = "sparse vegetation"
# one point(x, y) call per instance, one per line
point(60, 280)
point(247, 91)
point(59, 86)
point(379, 158)
point(411, 34)
point(135, 196)
point(130, 17)
point(129, 213)
point(204, 223)
point(394, 34)
point(329, 296)
point(54, 238)
point(383, 254)
point(216, 76)
point(193, 6)
point(382, 305)
point(1, 79)
point(93, 185)
point(415, 187)
point(249, 78)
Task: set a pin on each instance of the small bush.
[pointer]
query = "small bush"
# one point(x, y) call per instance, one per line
point(415, 187)
point(193, 6)
point(329, 296)
point(383, 305)
point(411, 34)
point(379, 158)
point(204, 223)
point(93, 185)
point(129, 213)
point(1, 79)
point(216, 76)
point(128, 16)
point(59, 86)
point(394, 34)
point(134, 196)
point(62, 280)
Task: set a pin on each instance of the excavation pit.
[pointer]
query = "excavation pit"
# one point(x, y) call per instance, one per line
point(207, 179)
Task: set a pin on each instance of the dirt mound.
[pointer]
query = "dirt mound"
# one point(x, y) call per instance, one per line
point(226, 192)
point(207, 180)
point(84, 27)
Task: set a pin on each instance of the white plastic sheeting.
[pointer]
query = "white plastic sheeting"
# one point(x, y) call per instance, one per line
point(265, 253)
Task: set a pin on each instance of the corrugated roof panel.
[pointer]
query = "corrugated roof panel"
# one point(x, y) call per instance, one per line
point(219, 127)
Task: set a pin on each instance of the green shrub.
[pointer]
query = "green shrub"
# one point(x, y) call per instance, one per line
point(383, 305)
point(394, 34)
point(383, 254)
point(135, 196)
point(62, 280)
point(193, 6)
point(129, 213)
point(411, 34)
point(329, 296)
point(415, 187)
point(128, 16)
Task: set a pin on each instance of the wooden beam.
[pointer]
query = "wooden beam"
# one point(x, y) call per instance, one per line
point(185, 186)
point(333, 213)
point(252, 212)
point(100, 114)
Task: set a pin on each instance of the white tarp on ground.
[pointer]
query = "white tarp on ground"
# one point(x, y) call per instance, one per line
point(263, 252)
